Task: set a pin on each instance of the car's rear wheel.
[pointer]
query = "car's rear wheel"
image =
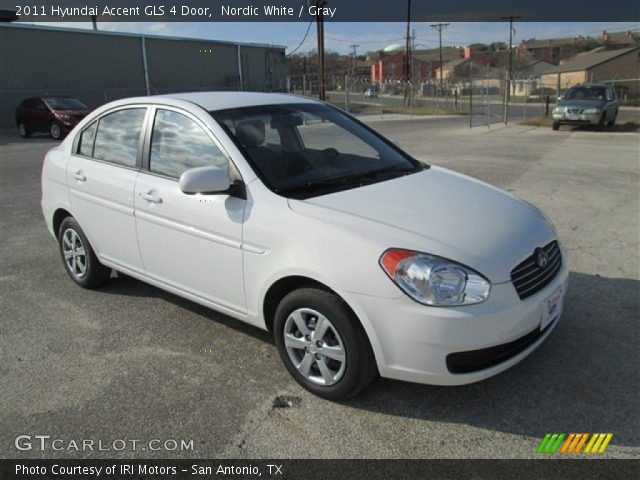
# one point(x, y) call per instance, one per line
point(55, 131)
point(79, 259)
point(322, 344)
point(23, 130)
point(555, 126)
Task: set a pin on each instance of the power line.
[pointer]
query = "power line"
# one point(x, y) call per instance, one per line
point(303, 40)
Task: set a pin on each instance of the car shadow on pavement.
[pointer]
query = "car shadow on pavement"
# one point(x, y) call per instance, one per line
point(129, 286)
point(583, 378)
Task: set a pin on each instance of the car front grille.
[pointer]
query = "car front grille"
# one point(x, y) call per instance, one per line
point(529, 277)
point(575, 111)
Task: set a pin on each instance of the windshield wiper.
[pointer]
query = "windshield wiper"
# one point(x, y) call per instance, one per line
point(359, 178)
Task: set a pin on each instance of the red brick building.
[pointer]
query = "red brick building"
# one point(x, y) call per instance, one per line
point(392, 68)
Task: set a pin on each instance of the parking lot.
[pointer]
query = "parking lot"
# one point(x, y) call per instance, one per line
point(130, 361)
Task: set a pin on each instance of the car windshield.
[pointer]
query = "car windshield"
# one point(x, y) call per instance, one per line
point(305, 150)
point(585, 93)
point(62, 103)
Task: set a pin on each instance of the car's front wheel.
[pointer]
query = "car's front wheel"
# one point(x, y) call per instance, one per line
point(612, 122)
point(322, 344)
point(55, 131)
point(555, 126)
point(23, 130)
point(79, 259)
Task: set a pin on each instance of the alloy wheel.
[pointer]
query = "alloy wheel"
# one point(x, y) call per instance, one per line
point(55, 131)
point(75, 257)
point(314, 346)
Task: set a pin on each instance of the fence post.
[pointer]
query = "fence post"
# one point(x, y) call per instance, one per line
point(546, 106)
point(346, 93)
point(470, 97)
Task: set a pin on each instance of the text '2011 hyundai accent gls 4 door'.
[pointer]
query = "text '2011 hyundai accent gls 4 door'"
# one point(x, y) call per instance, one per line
point(288, 214)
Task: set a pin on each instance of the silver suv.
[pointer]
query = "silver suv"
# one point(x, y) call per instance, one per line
point(587, 104)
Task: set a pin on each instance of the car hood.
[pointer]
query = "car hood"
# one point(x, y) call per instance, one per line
point(443, 213)
point(581, 103)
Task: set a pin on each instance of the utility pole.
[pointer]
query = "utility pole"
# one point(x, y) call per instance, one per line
point(353, 69)
point(407, 56)
point(511, 18)
point(440, 27)
point(320, 25)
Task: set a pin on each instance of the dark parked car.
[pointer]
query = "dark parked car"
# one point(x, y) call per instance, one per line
point(587, 104)
point(54, 115)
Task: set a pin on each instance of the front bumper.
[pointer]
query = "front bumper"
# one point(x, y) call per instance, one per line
point(577, 119)
point(417, 343)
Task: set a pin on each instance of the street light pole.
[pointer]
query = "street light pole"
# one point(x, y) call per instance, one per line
point(320, 30)
point(511, 18)
point(407, 56)
point(440, 27)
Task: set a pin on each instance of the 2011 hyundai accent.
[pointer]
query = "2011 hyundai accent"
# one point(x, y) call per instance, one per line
point(288, 214)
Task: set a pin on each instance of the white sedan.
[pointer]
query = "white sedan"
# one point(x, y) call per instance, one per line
point(291, 215)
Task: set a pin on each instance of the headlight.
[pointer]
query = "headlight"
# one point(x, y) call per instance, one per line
point(66, 119)
point(434, 280)
point(559, 109)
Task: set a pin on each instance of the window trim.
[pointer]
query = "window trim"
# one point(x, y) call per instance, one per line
point(234, 173)
point(76, 140)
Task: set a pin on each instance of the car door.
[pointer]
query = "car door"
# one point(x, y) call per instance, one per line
point(41, 116)
point(191, 243)
point(101, 175)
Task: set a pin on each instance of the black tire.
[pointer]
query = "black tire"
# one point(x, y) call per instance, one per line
point(23, 130)
point(555, 126)
point(360, 366)
point(602, 123)
point(55, 131)
point(612, 123)
point(95, 273)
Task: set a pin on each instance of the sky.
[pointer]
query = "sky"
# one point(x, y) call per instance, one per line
point(339, 36)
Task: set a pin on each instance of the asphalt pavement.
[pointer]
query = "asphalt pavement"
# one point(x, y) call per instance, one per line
point(130, 361)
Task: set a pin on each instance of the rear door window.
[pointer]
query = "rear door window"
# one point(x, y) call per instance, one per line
point(85, 147)
point(118, 137)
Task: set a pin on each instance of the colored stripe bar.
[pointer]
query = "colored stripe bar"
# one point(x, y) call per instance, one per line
point(557, 443)
point(606, 441)
point(543, 443)
point(568, 443)
point(580, 443)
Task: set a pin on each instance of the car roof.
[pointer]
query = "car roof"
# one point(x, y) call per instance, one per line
point(591, 85)
point(212, 101)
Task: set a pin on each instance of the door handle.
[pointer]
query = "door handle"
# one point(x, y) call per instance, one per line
point(151, 198)
point(79, 176)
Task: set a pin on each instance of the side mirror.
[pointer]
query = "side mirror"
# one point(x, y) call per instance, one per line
point(205, 180)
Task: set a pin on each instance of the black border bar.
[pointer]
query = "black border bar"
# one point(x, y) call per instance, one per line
point(338, 10)
point(579, 469)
